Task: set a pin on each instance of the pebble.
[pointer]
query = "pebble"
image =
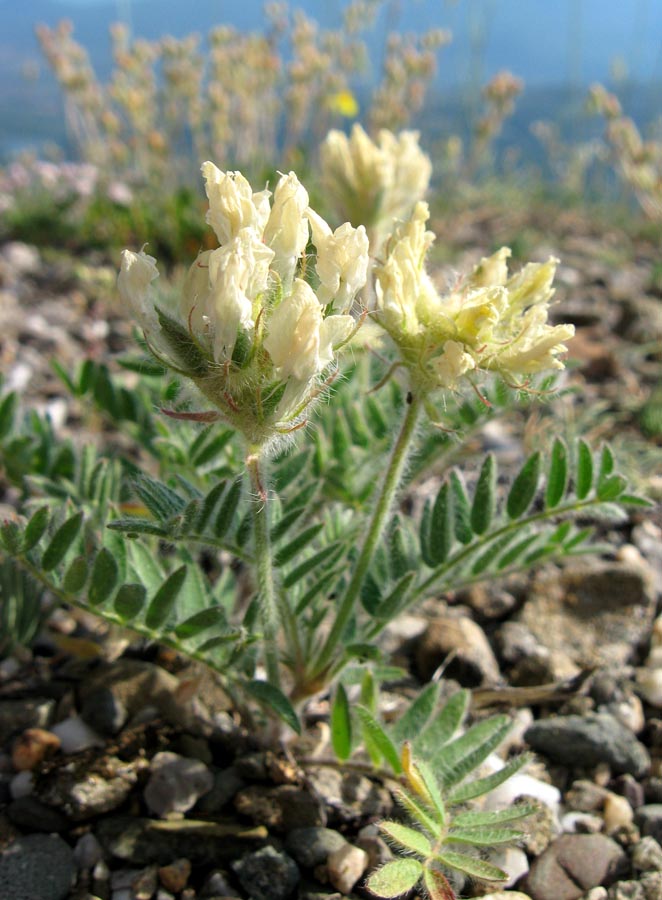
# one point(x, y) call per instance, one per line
point(176, 783)
point(88, 851)
point(585, 795)
point(345, 866)
point(617, 812)
point(589, 740)
point(280, 808)
point(506, 895)
point(349, 796)
point(581, 823)
point(226, 784)
point(370, 840)
point(17, 715)
point(267, 874)
point(21, 785)
point(31, 814)
point(473, 662)
point(522, 784)
point(573, 864)
point(36, 866)
point(175, 876)
point(627, 890)
point(649, 819)
point(513, 861)
point(647, 855)
point(311, 847)
point(75, 735)
point(33, 747)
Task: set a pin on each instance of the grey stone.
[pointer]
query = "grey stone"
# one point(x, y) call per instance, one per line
point(311, 847)
point(82, 791)
point(647, 855)
point(17, 715)
point(217, 885)
point(176, 783)
point(345, 866)
point(280, 808)
point(589, 740)
point(626, 890)
point(350, 796)
point(649, 819)
point(88, 851)
point(652, 885)
point(33, 815)
point(572, 865)
point(37, 866)
point(104, 712)
point(120, 690)
point(145, 841)
point(267, 874)
point(226, 784)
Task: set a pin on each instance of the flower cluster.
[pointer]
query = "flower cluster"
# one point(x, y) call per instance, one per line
point(249, 330)
point(374, 182)
point(490, 320)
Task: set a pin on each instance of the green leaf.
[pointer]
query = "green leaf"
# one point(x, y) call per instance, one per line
point(634, 500)
point(276, 700)
point(606, 463)
point(459, 758)
point(584, 478)
point(483, 837)
point(129, 602)
point(61, 542)
point(417, 716)
point(290, 550)
point(418, 812)
point(341, 725)
point(396, 598)
point(524, 487)
point(8, 407)
point(104, 577)
point(494, 550)
point(444, 725)
point(159, 499)
point(406, 837)
point(442, 525)
point(398, 557)
point(484, 502)
point(611, 487)
point(477, 818)
point(163, 601)
point(323, 558)
point(209, 504)
point(480, 786)
point(395, 878)
point(379, 738)
point(10, 534)
point(36, 527)
point(76, 575)
point(135, 525)
point(424, 534)
point(461, 510)
point(201, 621)
point(557, 477)
point(145, 567)
point(471, 865)
point(227, 509)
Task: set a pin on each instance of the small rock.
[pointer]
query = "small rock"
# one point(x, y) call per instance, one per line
point(617, 812)
point(596, 893)
point(647, 855)
point(345, 866)
point(473, 661)
point(523, 785)
point(33, 815)
point(626, 890)
point(351, 796)
point(175, 876)
point(652, 885)
point(217, 885)
point(143, 885)
point(75, 735)
point(22, 259)
point(377, 849)
point(176, 783)
point(21, 785)
point(311, 847)
point(589, 740)
point(573, 864)
point(17, 715)
point(227, 783)
point(581, 823)
point(32, 747)
point(280, 808)
point(649, 820)
point(513, 861)
point(267, 874)
point(37, 865)
point(506, 895)
point(87, 852)
point(585, 795)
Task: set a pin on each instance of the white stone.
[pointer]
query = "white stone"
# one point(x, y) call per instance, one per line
point(617, 812)
point(345, 866)
point(581, 823)
point(523, 784)
point(76, 735)
point(649, 685)
point(513, 861)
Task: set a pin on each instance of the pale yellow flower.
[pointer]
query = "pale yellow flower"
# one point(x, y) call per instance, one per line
point(286, 231)
point(232, 203)
point(342, 261)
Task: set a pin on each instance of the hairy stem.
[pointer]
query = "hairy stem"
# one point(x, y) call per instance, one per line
point(380, 515)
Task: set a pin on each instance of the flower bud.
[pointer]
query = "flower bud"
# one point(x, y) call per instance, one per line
point(286, 230)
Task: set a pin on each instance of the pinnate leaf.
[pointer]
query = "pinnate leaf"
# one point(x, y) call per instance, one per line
point(61, 542)
point(407, 837)
point(484, 502)
point(162, 603)
point(524, 487)
point(395, 878)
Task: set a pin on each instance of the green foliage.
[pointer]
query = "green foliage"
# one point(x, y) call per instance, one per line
point(441, 776)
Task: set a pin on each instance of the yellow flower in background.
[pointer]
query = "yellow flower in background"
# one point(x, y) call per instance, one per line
point(250, 332)
point(374, 182)
point(343, 103)
point(491, 321)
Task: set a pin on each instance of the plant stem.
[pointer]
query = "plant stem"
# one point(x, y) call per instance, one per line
point(378, 522)
point(273, 604)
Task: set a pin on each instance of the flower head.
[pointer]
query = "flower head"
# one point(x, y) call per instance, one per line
point(491, 320)
point(248, 329)
point(374, 182)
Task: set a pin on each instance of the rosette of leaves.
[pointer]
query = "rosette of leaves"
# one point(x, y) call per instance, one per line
point(441, 771)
